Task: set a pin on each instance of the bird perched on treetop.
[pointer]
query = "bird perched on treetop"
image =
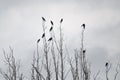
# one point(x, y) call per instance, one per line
point(51, 22)
point(51, 28)
point(61, 20)
point(106, 64)
point(50, 39)
point(43, 35)
point(84, 51)
point(83, 25)
point(43, 19)
point(38, 40)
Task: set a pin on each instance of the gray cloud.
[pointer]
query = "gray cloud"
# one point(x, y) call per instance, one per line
point(20, 26)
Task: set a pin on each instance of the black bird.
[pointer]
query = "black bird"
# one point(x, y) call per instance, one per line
point(61, 20)
point(51, 22)
point(38, 40)
point(43, 35)
point(43, 19)
point(106, 64)
point(83, 25)
point(84, 51)
point(50, 39)
point(51, 28)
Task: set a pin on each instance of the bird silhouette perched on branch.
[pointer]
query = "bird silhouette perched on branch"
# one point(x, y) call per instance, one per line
point(83, 25)
point(106, 65)
point(51, 28)
point(84, 51)
point(51, 22)
point(50, 39)
point(43, 19)
point(43, 35)
point(38, 40)
point(61, 20)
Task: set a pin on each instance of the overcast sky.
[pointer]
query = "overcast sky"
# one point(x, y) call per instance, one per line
point(20, 26)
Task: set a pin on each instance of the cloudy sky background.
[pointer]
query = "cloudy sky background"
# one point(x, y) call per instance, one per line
point(20, 27)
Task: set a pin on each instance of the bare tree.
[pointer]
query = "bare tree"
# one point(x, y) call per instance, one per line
point(61, 53)
point(117, 71)
point(96, 75)
point(55, 57)
point(36, 73)
point(32, 70)
point(46, 52)
point(82, 72)
point(42, 70)
point(108, 67)
point(13, 67)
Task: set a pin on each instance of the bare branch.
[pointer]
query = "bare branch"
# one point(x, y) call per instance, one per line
point(117, 71)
